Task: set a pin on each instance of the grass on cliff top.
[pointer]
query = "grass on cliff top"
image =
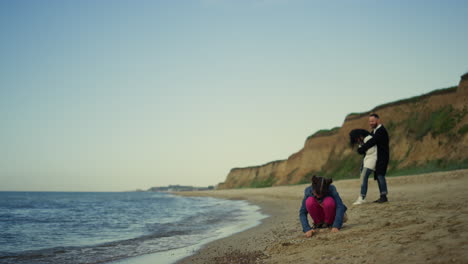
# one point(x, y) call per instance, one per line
point(439, 118)
point(257, 166)
point(413, 99)
point(465, 76)
point(324, 132)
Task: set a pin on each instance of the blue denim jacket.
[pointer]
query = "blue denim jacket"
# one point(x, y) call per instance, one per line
point(340, 208)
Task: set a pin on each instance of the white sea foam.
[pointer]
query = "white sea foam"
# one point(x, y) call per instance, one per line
point(249, 217)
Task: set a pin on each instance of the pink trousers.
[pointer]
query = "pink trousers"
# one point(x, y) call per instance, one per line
point(321, 212)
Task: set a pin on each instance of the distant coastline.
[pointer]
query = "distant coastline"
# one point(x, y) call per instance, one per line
point(177, 188)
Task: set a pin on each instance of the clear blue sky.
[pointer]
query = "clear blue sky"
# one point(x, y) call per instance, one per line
point(118, 95)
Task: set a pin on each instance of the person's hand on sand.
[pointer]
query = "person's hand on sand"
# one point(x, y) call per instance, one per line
point(335, 230)
point(309, 233)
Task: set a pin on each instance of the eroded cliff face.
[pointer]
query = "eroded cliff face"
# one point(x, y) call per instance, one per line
point(431, 128)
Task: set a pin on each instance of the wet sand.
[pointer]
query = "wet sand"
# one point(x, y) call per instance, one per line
point(425, 221)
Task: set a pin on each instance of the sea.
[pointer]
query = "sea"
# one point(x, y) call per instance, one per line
point(114, 227)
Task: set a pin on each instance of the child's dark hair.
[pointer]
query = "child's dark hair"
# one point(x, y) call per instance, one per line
point(320, 185)
point(355, 134)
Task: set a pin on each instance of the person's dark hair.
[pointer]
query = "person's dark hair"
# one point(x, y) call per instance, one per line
point(320, 185)
point(355, 135)
point(375, 115)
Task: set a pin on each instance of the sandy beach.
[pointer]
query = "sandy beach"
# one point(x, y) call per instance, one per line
point(424, 222)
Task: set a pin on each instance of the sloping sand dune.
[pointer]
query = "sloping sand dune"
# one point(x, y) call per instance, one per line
point(426, 221)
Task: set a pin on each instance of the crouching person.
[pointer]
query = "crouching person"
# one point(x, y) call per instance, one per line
point(323, 203)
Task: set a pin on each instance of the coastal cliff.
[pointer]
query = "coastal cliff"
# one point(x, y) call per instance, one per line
point(427, 133)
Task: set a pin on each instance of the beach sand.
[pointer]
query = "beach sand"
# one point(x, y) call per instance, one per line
point(425, 221)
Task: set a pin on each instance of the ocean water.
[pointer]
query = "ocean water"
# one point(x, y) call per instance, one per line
point(65, 227)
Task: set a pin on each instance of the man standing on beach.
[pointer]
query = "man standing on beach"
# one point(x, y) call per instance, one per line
point(379, 138)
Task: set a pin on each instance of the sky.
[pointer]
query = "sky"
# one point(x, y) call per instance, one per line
point(123, 95)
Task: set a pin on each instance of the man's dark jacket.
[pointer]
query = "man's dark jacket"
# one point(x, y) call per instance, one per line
point(379, 138)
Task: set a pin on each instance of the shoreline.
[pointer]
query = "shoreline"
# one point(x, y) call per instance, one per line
point(422, 223)
point(249, 216)
point(236, 247)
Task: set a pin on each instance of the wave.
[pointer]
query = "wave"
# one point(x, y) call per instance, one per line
point(105, 252)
